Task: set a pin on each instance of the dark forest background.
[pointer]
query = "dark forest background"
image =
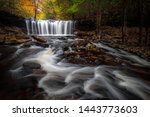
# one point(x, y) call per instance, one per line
point(131, 16)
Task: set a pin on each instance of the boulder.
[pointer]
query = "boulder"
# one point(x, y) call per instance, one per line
point(15, 41)
point(38, 43)
point(2, 38)
point(39, 39)
point(31, 65)
point(84, 33)
point(13, 35)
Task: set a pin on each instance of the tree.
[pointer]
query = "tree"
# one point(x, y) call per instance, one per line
point(62, 10)
point(54, 9)
point(124, 20)
point(140, 41)
point(25, 8)
point(36, 3)
point(8, 6)
point(74, 7)
point(147, 25)
point(99, 6)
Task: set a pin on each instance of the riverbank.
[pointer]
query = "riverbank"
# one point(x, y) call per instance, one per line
point(83, 49)
point(113, 36)
point(12, 35)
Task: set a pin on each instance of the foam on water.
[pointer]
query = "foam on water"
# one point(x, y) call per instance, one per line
point(133, 84)
point(69, 81)
point(124, 55)
point(102, 82)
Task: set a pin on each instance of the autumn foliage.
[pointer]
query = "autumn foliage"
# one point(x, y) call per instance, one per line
point(24, 8)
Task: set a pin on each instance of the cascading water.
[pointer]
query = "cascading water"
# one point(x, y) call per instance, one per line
point(62, 80)
point(50, 27)
point(36, 67)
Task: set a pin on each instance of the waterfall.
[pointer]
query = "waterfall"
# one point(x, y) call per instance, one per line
point(28, 28)
point(50, 27)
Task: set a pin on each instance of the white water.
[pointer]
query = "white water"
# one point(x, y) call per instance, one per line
point(102, 81)
point(123, 54)
point(50, 27)
point(69, 81)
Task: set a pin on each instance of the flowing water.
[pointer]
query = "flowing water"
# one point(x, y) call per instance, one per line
point(63, 80)
point(50, 27)
point(29, 71)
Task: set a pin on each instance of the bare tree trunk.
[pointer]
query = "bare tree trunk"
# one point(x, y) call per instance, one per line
point(140, 41)
point(98, 23)
point(35, 8)
point(35, 12)
point(9, 5)
point(147, 35)
point(147, 23)
point(124, 21)
point(73, 16)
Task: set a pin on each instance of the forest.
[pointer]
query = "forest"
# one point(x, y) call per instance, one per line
point(97, 13)
point(66, 49)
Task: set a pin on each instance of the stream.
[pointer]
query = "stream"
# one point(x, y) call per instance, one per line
point(34, 72)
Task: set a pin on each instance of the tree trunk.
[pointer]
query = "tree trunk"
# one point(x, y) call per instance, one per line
point(35, 8)
point(147, 35)
point(147, 23)
point(35, 12)
point(98, 23)
point(140, 41)
point(9, 5)
point(73, 16)
point(124, 21)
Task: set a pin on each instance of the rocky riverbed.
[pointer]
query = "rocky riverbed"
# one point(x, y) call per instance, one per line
point(68, 68)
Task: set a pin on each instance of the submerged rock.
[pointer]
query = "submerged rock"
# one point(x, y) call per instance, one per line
point(31, 65)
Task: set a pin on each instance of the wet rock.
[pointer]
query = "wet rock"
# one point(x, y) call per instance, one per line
point(89, 97)
point(13, 35)
point(79, 42)
point(31, 65)
point(38, 71)
point(38, 43)
point(27, 82)
point(26, 88)
point(15, 41)
point(83, 33)
point(7, 49)
point(39, 39)
point(34, 77)
point(2, 38)
point(26, 44)
point(41, 95)
point(55, 84)
point(6, 52)
point(71, 94)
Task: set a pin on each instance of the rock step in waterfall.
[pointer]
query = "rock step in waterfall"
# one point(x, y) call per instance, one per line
point(50, 27)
